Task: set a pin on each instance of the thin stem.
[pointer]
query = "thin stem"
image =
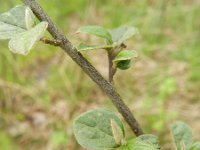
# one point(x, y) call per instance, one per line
point(111, 69)
point(86, 66)
point(112, 53)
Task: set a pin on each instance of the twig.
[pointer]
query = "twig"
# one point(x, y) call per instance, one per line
point(50, 41)
point(111, 55)
point(86, 66)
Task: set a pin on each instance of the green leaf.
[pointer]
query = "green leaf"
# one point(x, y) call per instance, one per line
point(140, 144)
point(124, 64)
point(182, 135)
point(195, 146)
point(97, 31)
point(150, 139)
point(83, 47)
point(93, 129)
point(17, 20)
point(120, 35)
point(123, 59)
point(125, 55)
point(17, 25)
point(23, 42)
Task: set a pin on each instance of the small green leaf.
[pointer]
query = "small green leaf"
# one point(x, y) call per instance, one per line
point(97, 31)
point(17, 20)
point(123, 59)
point(23, 42)
point(124, 64)
point(120, 35)
point(83, 47)
point(125, 55)
point(182, 135)
point(117, 132)
point(138, 144)
point(195, 146)
point(150, 139)
point(17, 25)
point(93, 129)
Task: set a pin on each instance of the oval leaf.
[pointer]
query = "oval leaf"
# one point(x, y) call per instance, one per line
point(182, 135)
point(120, 35)
point(97, 31)
point(23, 42)
point(15, 21)
point(93, 129)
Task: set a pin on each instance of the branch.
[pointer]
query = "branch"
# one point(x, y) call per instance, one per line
point(106, 86)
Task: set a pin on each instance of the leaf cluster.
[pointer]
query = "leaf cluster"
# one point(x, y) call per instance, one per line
point(18, 26)
point(101, 129)
point(114, 43)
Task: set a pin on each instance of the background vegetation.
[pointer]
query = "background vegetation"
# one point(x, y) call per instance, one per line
point(41, 93)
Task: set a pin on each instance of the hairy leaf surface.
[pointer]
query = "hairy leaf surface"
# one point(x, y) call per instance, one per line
point(93, 129)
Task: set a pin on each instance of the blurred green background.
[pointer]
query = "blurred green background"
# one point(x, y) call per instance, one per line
point(41, 93)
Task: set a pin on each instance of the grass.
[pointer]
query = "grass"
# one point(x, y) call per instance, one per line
point(45, 90)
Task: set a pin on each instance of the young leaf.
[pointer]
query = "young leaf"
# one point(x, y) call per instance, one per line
point(15, 21)
point(17, 25)
point(93, 129)
point(23, 42)
point(117, 132)
point(182, 135)
point(124, 64)
point(125, 55)
point(138, 144)
point(150, 139)
point(122, 34)
point(195, 146)
point(123, 59)
point(83, 47)
point(97, 31)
